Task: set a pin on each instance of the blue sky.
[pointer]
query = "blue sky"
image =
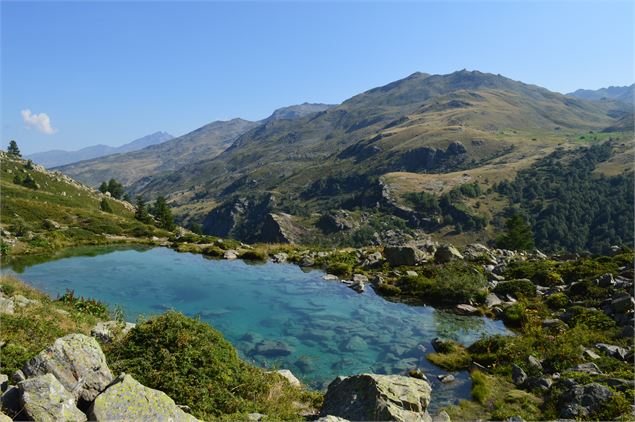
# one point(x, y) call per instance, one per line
point(110, 72)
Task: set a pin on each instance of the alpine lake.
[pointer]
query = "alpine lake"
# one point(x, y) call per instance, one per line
point(276, 315)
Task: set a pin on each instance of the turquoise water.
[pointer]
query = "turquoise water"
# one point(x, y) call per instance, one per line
point(322, 328)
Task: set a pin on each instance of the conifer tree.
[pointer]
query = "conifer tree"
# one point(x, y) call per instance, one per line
point(13, 149)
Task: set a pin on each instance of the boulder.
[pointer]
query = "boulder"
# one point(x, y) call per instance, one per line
point(465, 309)
point(6, 306)
point(285, 373)
point(492, 300)
point(447, 253)
point(127, 399)
point(4, 418)
point(373, 260)
point(446, 378)
point(372, 397)
point(280, 258)
point(589, 368)
point(21, 301)
point(579, 401)
point(518, 375)
point(408, 255)
point(108, 331)
point(230, 254)
point(44, 399)
point(78, 364)
point(272, 349)
point(11, 401)
point(623, 304)
point(534, 363)
point(411, 273)
point(613, 351)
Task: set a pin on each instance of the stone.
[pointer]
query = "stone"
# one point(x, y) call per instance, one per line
point(230, 254)
point(446, 378)
point(447, 253)
point(518, 375)
point(411, 273)
point(280, 258)
point(21, 301)
point(51, 224)
point(44, 399)
point(465, 309)
point(492, 300)
point(579, 401)
point(255, 417)
point(372, 397)
point(272, 349)
point(417, 373)
point(589, 368)
point(623, 304)
point(293, 380)
point(331, 418)
point(405, 255)
point(360, 278)
point(330, 277)
point(373, 260)
point(77, 362)
point(355, 344)
point(307, 261)
point(590, 354)
point(127, 399)
point(5, 418)
point(109, 331)
point(442, 416)
point(534, 363)
point(18, 376)
point(6, 306)
point(605, 280)
point(613, 351)
point(542, 383)
point(4, 382)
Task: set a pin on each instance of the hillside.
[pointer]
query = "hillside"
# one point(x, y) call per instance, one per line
point(42, 211)
point(57, 157)
point(294, 171)
point(618, 93)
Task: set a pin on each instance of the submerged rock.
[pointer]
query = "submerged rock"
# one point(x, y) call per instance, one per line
point(127, 399)
point(272, 349)
point(77, 362)
point(372, 397)
point(44, 399)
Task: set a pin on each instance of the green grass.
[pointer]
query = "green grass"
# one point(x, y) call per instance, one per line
point(451, 357)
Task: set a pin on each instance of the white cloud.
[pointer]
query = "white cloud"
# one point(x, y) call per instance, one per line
point(41, 121)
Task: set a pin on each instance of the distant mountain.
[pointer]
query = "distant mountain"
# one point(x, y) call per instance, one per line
point(55, 158)
point(618, 93)
point(203, 143)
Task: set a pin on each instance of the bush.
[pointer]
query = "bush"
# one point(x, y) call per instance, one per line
point(194, 365)
point(388, 290)
point(557, 301)
point(253, 255)
point(85, 305)
point(515, 314)
point(341, 269)
point(518, 288)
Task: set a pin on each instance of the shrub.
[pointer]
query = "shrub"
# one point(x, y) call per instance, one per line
point(342, 269)
point(84, 305)
point(515, 314)
point(557, 301)
point(518, 288)
point(385, 289)
point(194, 365)
point(253, 255)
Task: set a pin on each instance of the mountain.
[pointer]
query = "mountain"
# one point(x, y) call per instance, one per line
point(297, 111)
point(203, 143)
point(372, 168)
point(56, 158)
point(618, 93)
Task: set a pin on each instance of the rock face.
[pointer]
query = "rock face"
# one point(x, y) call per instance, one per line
point(45, 399)
point(371, 397)
point(127, 399)
point(78, 364)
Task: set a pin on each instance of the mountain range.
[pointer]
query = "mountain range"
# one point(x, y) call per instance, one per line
point(55, 158)
point(277, 178)
point(619, 93)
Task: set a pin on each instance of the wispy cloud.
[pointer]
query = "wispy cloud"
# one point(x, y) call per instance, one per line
point(40, 121)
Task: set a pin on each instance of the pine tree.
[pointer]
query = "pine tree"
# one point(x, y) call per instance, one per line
point(29, 182)
point(103, 188)
point(163, 214)
point(105, 206)
point(13, 149)
point(141, 213)
point(115, 188)
point(518, 235)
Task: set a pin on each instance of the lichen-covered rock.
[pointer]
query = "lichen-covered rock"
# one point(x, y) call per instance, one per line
point(109, 331)
point(44, 399)
point(372, 397)
point(128, 400)
point(77, 362)
point(6, 306)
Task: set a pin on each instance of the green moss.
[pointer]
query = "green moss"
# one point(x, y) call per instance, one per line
point(213, 251)
point(557, 301)
point(480, 387)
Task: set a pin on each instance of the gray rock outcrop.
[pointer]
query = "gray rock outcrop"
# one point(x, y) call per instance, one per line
point(372, 397)
point(44, 399)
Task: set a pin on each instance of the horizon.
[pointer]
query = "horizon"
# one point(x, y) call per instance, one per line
point(89, 85)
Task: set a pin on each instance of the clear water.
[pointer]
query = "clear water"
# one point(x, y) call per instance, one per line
point(325, 328)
